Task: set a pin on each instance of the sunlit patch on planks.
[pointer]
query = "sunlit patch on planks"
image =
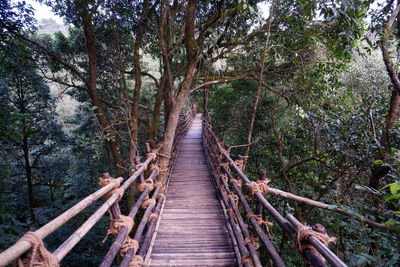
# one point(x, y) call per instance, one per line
point(192, 229)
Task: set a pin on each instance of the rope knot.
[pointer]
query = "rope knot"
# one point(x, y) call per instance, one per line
point(129, 243)
point(136, 261)
point(253, 240)
point(38, 255)
point(116, 182)
point(304, 232)
point(148, 183)
point(259, 220)
point(152, 216)
point(259, 186)
point(148, 202)
point(117, 224)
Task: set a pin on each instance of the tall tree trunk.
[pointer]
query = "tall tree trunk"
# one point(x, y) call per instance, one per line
point(28, 173)
point(155, 119)
point(379, 171)
point(100, 113)
point(134, 128)
point(261, 77)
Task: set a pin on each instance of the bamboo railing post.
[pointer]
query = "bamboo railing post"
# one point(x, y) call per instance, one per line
point(285, 224)
point(273, 254)
point(139, 232)
point(137, 162)
point(15, 251)
point(262, 175)
point(324, 250)
point(235, 227)
point(116, 245)
point(114, 210)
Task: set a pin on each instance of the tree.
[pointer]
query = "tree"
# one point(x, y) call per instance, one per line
point(30, 131)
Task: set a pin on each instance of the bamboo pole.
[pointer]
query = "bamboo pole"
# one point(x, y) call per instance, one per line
point(21, 247)
point(324, 250)
point(325, 206)
point(139, 231)
point(150, 230)
point(123, 231)
point(267, 242)
point(274, 255)
point(285, 224)
point(235, 227)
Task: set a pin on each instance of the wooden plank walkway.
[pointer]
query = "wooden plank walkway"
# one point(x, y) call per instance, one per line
point(192, 228)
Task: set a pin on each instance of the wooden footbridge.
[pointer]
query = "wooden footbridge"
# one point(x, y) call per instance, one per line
point(206, 213)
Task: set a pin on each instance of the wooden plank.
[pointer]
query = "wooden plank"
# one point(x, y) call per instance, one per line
point(192, 229)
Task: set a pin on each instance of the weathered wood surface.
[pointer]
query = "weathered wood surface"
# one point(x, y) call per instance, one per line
point(192, 229)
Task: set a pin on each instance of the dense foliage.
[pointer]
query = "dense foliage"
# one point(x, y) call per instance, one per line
point(322, 116)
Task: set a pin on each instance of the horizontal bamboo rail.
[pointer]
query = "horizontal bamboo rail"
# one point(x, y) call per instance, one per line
point(20, 248)
point(288, 226)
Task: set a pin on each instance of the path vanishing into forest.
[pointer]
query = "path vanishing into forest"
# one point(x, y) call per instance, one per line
point(192, 226)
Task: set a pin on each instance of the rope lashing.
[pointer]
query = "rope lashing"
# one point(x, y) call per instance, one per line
point(224, 177)
point(148, 202)
point(117, 183)
point(159, 154)
point(239, 163)
point(148, 183)
point(136, 261)
point(137, 166)
point(259, 186)
point(252, 240)
point(116, 224)
point(152, 154)
point(155, 167)
point(129, 243)
point(302, 234)
point(152, 216)
point(246, 259)
point(259, 220)
point(38, 256)
point(230, 210)
point(237, 182)
point(234, 197)
point(226, 165)
point(161, 192)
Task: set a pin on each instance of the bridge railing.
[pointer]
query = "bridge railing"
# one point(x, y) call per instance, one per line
point(30, 248)
point(229, 178)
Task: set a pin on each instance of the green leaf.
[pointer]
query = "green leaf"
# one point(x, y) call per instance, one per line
point(392, 197)
point(378, 162)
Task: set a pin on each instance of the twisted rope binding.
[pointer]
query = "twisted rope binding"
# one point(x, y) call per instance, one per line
point(38, 256)
point(259, 220)
point(234, 197)
point(116, 224)
point(117, 183)
point(136, 261)
point(246, 259)
point(155, 167)
point(137, 166)
point(302, 234)
point(237, 182)
point(253, 240)
point(129, 243)
point(259, 186)
point(148, 202)
point(148, 183)
point(152, 216)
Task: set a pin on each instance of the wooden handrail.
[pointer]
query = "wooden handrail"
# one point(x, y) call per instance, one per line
point(288, 226)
